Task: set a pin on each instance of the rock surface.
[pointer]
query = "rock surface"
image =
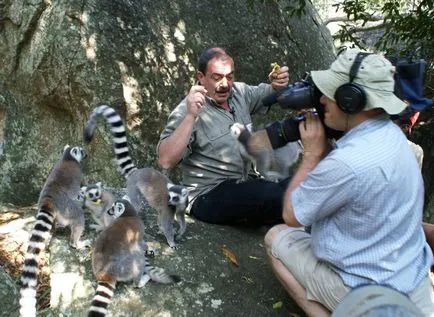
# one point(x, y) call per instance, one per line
point(212, 285)
point(62, 58)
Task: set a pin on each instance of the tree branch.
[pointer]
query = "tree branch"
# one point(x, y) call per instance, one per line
point(367, 28)
point(346, 19)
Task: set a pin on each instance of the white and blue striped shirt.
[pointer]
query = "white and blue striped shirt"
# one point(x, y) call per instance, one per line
point(364, 201)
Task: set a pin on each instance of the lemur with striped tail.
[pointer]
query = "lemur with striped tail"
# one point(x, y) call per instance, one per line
point(118, 257)
point(57, 205)
point(168, 199)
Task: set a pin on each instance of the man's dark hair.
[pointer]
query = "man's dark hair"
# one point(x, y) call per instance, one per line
point(209, 54)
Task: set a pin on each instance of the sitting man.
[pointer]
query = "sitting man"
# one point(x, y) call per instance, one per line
point(362, 198)
point(197, 136)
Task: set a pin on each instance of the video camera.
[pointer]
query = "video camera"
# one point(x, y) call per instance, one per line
point(298, 96)
point(409, 80)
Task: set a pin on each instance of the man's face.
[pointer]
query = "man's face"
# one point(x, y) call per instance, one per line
point(219, 79)
point(334, 117)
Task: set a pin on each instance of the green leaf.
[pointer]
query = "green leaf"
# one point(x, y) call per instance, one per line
point(278, 305)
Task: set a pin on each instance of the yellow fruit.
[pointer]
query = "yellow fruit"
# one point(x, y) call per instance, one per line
point(275, 67)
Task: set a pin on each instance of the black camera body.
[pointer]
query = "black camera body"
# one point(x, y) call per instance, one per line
point(298, 96)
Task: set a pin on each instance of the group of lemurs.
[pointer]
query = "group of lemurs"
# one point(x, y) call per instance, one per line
point(119, 253)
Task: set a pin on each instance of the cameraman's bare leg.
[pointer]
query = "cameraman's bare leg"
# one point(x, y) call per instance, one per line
point(428, 229)
point(292, 286)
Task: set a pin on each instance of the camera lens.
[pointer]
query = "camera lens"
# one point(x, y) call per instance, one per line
point(283, 131)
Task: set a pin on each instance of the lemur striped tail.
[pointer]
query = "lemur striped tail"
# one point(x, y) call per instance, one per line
point(159, 275)
point(29, 276)
point(119, 137)
point(101, 300)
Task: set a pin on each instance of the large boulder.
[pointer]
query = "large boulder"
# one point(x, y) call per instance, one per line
point(62, 58)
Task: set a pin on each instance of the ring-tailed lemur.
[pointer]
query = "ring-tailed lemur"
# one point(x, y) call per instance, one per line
point(164, 196)
point(273, 164)
point(118, 257)
point(98, 200)
point(57, 205)
point(168, 199)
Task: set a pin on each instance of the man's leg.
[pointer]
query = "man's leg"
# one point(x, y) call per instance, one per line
point(292, 286)
point(256, 201)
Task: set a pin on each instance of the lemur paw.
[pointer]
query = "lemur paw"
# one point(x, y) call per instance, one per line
point(174, 246)
point(143, 280)
point(241, 180)
point(96, 227)
point(79, 245)
point(150, 253)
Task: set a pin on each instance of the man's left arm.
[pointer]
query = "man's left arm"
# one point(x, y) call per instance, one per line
point(315, 148)
point(307, 164)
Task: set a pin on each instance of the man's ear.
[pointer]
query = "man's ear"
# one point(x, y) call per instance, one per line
point(200, 77)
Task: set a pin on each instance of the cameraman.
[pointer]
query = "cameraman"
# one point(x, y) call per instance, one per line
point(197, 137)
point(363, 197)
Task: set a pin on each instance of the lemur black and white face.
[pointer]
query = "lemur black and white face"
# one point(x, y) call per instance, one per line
point(117, 209)
point(76, 152)
point(82, 194)
point(178, 194)
point(92, 193)
point(236, 129)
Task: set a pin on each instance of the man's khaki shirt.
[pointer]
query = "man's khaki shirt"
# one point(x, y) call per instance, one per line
point(213, 155)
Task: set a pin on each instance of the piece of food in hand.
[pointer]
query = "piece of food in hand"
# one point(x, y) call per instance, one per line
point(276, 67)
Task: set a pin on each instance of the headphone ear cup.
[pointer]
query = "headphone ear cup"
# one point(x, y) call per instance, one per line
point(350, 98)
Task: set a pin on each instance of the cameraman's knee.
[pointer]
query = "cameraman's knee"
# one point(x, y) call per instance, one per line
point(272, 234)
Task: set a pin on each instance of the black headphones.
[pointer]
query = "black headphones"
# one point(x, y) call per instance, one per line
point(351, 97)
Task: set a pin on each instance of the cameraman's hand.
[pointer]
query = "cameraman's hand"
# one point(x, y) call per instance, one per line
point(196, 100)
point(313, 137)
point(279, 79)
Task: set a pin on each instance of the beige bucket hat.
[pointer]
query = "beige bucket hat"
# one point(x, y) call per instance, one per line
point(375, 76)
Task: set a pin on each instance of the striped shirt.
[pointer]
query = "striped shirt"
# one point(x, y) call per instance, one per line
point(364, 201)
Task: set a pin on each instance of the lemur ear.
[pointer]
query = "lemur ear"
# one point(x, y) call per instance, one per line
point(127, 198)
point(249, 127)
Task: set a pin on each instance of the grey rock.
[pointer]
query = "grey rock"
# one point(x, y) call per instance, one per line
point(9, 294)
point(62, 58)
point(212, 285)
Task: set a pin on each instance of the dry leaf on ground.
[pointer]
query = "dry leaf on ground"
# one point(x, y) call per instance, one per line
point(231, 256)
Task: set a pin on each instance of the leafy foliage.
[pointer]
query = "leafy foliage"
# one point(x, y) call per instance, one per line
point(407, 25)
point(405, 28)
point(399, 27)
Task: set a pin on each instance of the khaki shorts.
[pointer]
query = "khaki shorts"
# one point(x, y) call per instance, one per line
point(323, 285)
point(292, 247)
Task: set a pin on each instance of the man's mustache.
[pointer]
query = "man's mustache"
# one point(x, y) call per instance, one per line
point(222, 90)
